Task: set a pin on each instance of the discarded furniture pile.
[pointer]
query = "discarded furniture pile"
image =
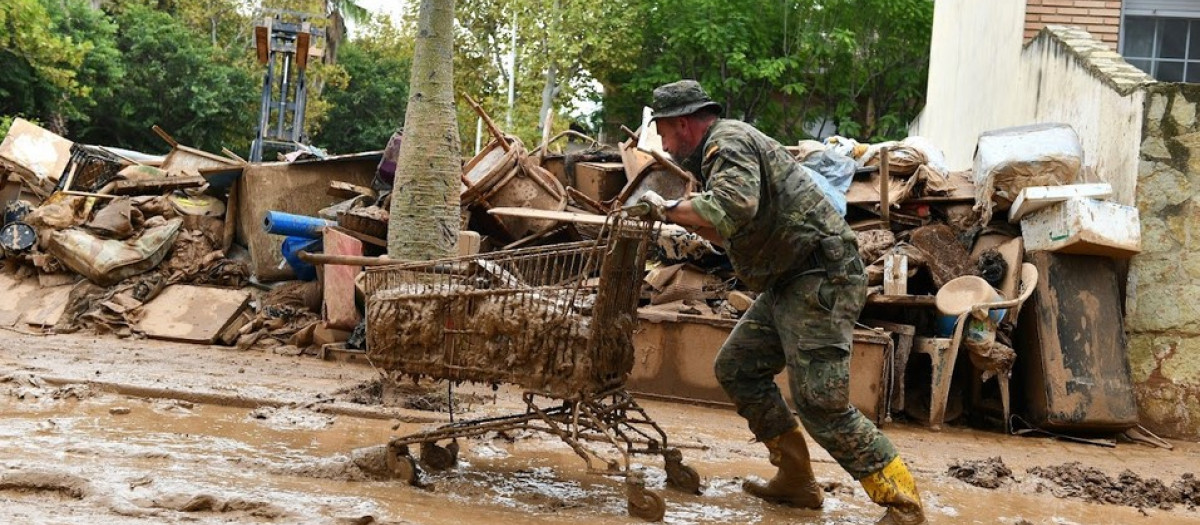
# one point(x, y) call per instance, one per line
point(1009, 271)
point(1007, 274)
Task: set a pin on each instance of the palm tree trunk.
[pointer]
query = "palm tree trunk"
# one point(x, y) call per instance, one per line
point(425, 219)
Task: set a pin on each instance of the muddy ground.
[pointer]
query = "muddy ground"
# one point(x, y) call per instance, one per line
point(100, 430)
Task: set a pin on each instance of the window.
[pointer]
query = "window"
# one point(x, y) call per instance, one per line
point(1166, 48)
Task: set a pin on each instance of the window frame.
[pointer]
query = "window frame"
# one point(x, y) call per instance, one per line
point(1189, 62)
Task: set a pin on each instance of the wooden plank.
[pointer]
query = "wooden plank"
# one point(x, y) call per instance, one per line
point(340, 310)
point(157, 186)
point(18, 296)
point(194, 314)
point(183, 158)
point(864, 192)
point(565, 216)
point(346, 190)
point(895, 274)
point(51, 305)
point(369, 239)
point(1034, 198)
point(902, 300)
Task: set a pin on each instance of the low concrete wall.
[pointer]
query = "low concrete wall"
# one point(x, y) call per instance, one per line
point(1163, 303)
point(1068, 76)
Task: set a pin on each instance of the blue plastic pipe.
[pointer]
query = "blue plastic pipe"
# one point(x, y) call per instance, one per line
point(291, 225)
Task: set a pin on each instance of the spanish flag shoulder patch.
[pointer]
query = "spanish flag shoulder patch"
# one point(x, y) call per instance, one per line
point(712, 150)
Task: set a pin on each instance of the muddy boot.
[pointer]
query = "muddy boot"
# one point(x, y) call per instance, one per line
point(894, 488)
point(794, 485)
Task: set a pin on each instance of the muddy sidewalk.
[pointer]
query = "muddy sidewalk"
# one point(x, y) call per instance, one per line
point(104, 431)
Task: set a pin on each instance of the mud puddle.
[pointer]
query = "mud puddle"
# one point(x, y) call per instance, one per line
point(72, 455)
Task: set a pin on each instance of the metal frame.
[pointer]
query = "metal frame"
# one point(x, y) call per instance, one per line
point(285, 43)
point(444, 297)
point(1154, 59)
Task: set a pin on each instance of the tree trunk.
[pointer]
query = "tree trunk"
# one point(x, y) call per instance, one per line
point(425, 219)
point(549, 91)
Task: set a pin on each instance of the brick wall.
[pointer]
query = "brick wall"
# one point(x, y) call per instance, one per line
point(1101, 18)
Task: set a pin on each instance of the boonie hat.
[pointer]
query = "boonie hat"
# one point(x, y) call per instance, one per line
point(681, 98)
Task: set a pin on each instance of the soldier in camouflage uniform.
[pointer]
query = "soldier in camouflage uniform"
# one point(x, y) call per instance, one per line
point(787, 241)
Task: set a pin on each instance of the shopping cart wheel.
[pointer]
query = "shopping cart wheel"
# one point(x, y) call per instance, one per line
point(679, 476)
point(400, 462)
point(439, 458)
point(641, 502)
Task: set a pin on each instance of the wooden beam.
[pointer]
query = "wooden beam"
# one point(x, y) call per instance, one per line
point(903, 300)
point(165, 136)
point(369, 239)
point(346, 190)
point(487, 121)
point(885, 210)
point(162, 185)
point(346, 260)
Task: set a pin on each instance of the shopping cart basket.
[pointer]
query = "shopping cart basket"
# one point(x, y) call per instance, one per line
point(556, 321)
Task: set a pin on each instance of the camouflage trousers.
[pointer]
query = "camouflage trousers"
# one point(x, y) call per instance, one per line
point(805, 324)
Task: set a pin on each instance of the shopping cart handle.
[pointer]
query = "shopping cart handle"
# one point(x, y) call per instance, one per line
point(568, 216)
point(640, 209)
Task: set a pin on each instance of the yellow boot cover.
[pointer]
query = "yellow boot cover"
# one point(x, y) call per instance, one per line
point(894, 488)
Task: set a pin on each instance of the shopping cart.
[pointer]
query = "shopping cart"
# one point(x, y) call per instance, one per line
point(557, 321)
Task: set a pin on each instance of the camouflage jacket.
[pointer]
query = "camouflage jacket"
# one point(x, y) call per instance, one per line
point(769, 212)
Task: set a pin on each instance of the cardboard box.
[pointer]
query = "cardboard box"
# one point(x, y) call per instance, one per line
point(297, 187)
point(600, 180)
point(1084, 226)
point(674, 354)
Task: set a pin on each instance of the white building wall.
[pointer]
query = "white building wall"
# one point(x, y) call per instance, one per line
point(974, 62)
point(980, 79)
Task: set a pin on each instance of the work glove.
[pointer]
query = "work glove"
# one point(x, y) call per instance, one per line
point(651, 207)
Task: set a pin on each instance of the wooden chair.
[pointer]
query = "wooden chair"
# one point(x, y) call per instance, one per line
point(943, 352)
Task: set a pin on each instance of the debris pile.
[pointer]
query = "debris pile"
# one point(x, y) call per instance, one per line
point(1073, 480)
point(274, 253)
point(988, 473)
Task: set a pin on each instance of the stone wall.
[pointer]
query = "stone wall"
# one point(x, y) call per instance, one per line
point(1163, 304)
point(1101, 18)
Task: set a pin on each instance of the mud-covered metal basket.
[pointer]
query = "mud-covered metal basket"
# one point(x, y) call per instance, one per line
point(555, 320)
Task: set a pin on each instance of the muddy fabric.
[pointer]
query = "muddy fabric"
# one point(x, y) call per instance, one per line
point(766, 206)
point(109, 310)
point(194, 259)
point(118, 220)
point(805, 324)
point(674, 245)
point(107, 261)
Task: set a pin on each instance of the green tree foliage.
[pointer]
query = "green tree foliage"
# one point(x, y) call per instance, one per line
point(55, 56)
point(204, 96)
point(106, 75)
point(787, 66)
point(365, 113)
point(561, 46)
